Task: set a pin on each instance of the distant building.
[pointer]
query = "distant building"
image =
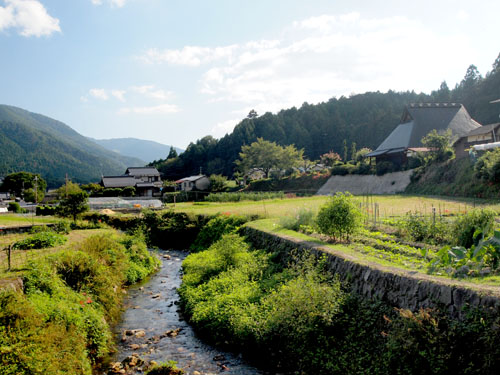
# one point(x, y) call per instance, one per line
point(486, 134)
point(416, 122)
point(146, 181)
point(199, 182)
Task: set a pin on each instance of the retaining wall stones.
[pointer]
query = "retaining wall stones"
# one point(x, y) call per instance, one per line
point(390, 183)
point(399, 288)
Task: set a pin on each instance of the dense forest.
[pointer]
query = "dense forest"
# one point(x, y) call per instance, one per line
point(39, 144)
point(364, 119)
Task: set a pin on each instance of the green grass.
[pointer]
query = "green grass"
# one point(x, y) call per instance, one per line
point(389, 205)
point(14, 220)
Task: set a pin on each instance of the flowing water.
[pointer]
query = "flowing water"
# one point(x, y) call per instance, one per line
point(153, 327)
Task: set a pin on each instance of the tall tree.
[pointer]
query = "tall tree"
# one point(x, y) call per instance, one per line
point(267, 155)
point(73, 205)
point(172, 153)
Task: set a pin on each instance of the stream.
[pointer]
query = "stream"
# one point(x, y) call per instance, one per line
point(153, 328)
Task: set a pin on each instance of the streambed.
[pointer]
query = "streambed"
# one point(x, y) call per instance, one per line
point(153, 328)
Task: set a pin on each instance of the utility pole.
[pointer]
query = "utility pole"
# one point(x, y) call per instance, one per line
point(36, 190)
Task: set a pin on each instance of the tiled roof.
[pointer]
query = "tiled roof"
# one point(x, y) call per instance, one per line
point(142, 171)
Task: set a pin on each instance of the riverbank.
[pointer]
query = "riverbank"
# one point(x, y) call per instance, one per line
point(61, 323)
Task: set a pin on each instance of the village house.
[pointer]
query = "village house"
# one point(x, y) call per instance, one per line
point(146, 181)
point(199, 182)
point(416, 122)
point(484, 135)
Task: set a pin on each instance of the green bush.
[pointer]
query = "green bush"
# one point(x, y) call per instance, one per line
point(40, 240)
point(425, 229)
point(16, 208)
point(215, 228)
point(487, 166)
point(46, 210)
point(471, 227)
point(340, 217)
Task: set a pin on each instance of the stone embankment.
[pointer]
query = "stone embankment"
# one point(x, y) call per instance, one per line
point(390, 183)
point(397, 287)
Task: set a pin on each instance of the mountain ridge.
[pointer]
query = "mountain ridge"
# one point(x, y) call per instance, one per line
point(36, 143)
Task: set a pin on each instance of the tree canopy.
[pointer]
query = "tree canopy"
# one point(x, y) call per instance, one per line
point(267, 155)
point(19, 182)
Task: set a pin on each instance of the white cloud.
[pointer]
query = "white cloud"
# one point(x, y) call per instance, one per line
point(28, 16)
point(321, 57)
point(189, 55)
point(113, 3)
point(151, 110)
point(99, 94)
point(119, 94)
point(462, 15)
point(151, 92)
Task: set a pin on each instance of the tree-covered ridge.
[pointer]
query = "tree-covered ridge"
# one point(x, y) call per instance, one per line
point(365, 119)
point(39, 144)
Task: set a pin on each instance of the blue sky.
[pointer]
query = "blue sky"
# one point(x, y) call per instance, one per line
point(175, 71)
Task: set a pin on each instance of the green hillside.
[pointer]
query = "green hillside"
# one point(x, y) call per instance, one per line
point(36, 143)
point(363, 119)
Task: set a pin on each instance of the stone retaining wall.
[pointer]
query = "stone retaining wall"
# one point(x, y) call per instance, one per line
point(390, 183)
point(398, 288)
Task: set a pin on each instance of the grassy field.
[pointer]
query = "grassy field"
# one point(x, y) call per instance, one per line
point(14, 220)
point(19, 258)
point(388, 205)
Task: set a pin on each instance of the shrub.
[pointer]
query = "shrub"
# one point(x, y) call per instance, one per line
point(421, 228)
point(474, 225)
point(487, 166)
point(215, 228)
point(15, 207)
point(40, 240)
point(340, 217)
point(46, 210)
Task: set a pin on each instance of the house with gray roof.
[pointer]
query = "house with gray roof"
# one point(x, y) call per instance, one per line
point(417, 121)
point(198, 182)
point(146, 181)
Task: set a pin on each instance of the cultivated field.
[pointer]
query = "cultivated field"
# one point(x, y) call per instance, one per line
point(389, 205)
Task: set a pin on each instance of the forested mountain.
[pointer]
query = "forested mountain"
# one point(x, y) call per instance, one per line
point(137, 148)
point(364, 119)
point(35, 143)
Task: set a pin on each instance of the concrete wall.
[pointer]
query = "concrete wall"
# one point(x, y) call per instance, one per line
point(398, 288)
point(390, 183)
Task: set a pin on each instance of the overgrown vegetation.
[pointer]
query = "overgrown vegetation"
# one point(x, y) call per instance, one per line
point(62, 322)
point(297, 317)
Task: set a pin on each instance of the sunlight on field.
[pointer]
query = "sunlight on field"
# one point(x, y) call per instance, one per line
point(14, 220)
point(389, 205)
